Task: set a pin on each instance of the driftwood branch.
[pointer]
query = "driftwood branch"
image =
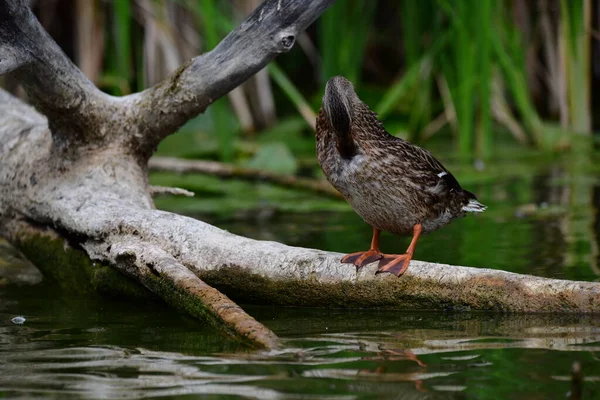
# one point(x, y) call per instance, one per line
point(78, 112)
point(270, 30)
point(173, 191)
point(223, 170)
point(272, 273)
point(80, 169)
point(158, 271)
point(164, 275)
point(55, 86)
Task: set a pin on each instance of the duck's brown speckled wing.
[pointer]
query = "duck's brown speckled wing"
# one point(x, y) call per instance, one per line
point(426, 165)
point(411, 161)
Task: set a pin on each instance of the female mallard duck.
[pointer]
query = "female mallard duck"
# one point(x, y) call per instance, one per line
point(392, 184)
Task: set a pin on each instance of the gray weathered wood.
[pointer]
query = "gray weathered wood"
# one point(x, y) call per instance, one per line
point(81, 167)
point(271, 29)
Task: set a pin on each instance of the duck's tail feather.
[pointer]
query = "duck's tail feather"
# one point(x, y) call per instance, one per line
point(474, 206)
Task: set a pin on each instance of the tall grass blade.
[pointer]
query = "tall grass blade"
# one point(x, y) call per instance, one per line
point(484, 26)
point(412, 31)
point(575, 28)
point(122, 33)
point(344, 30)
point(293, 94)
point(209, 15)
point(464, 48)
point(517, 84)
point(90, 38)
point(399, 89)
point(402, 86)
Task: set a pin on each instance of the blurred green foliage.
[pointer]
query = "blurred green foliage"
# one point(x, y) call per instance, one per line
point(467, 71)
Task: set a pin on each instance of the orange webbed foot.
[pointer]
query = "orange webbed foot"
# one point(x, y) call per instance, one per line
point(396, 264)
point(362, 258)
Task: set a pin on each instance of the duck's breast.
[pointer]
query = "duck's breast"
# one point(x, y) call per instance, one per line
point(382, 199)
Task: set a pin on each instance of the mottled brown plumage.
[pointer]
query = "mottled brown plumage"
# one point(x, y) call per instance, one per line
point(392, 184)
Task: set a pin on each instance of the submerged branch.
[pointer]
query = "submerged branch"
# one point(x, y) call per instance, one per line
point(223, 170)
point(173, 191)
point(576, 382)
point(178, 286)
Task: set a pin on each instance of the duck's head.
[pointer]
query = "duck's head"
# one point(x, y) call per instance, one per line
point(338, 104)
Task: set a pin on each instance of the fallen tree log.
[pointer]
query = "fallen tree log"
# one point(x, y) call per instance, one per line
point(80, 172)
point(263, 272)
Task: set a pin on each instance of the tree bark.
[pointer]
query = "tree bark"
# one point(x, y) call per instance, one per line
point(80, 171)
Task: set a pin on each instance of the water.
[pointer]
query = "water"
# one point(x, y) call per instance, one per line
point(103, 349)
point(543, 223)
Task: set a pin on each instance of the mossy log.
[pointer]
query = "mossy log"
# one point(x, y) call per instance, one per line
point(262, 272)
point(77, 169)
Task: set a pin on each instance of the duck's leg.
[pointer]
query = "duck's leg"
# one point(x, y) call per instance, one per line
point(398, 263)
point(362, 258)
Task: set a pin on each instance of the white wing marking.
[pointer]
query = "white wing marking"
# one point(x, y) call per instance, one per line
point(474, 206)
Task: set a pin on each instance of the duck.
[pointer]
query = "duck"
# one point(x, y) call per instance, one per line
point(394, 185)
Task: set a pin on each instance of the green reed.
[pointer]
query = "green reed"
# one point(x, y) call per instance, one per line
point(461, 63)
point(484, 10)
point(477, 41)
point(344, 31)
point(575, 42)
point(292, 93)
point(122, 14)
point(208, 16)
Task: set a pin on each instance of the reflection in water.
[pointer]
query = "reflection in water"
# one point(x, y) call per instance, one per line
point(14, 269)
point(101, 349)
point(570, 188)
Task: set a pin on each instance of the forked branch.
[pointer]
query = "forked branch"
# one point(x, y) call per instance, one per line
point(100, 199)
point(86, 175)
point(80, 115)
point(271, 29)
point(57, 88)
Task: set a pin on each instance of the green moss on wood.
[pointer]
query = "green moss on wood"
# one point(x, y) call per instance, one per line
point(247, 287)
point(76, 274)
point(108, 281)
point(179, 299)
point(72, 269)
point(69, 268)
